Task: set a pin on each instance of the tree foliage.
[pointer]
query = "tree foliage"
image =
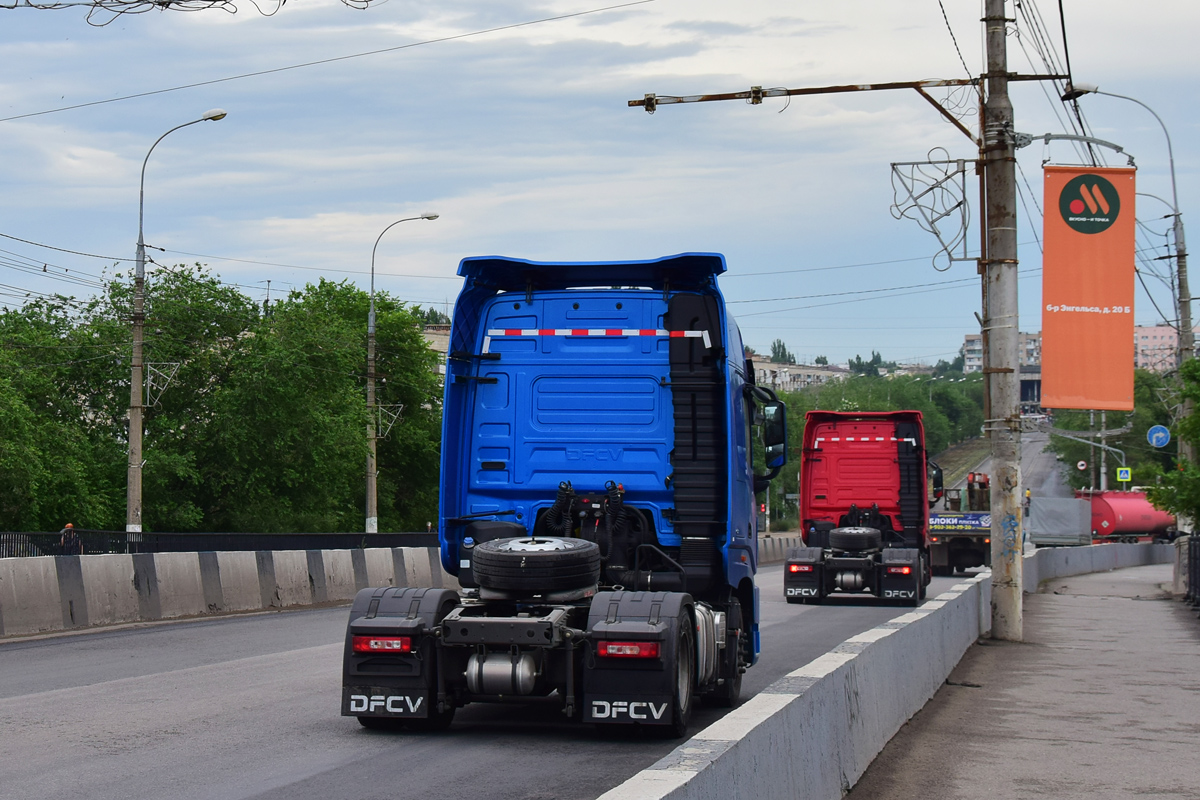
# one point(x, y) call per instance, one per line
point(952, 412)
point(1146, 462)
point(263, 426)
point(780, 354)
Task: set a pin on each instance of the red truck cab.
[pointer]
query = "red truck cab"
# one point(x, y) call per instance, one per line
point(864, 508)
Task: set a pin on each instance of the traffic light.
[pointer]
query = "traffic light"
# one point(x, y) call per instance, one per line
point(762, 508)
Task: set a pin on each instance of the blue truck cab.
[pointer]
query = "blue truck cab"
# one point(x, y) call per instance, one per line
point(597, 500)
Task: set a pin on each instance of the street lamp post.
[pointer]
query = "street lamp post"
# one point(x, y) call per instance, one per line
point(1187, 341)
point(133, 504)
point(372, 525)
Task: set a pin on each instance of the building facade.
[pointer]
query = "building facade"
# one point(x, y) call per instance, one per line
point(1029, 351)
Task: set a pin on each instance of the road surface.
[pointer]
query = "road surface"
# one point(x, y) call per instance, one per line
point(247, 707)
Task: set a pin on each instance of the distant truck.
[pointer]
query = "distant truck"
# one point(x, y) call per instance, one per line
point(961, 538)
point(864, 508)
point(597, 504)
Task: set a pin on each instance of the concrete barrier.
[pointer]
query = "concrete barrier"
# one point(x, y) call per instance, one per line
point(31, 592)
point(820, 726)
point(1060, 562)
point(180, 586)
point(57, 593)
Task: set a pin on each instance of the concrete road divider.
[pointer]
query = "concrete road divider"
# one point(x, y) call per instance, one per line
point(55, 593)
point(813, 733)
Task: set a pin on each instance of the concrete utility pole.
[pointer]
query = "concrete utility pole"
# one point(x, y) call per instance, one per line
point(133, 491)
point(999, 267)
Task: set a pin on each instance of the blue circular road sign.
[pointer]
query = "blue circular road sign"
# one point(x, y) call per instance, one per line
point(1158, 436)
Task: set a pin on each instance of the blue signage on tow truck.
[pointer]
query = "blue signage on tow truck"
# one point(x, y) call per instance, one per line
point(953, 521)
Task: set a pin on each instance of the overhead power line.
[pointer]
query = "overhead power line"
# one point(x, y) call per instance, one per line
point(332, 60)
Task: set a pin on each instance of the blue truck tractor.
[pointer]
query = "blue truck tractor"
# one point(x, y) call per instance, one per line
point(597, 504)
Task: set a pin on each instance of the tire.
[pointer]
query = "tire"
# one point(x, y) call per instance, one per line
point(943, 572)
point(924, 579)
point(728, 693)
point(684, 694)
point(542, 564)
point(855, 538)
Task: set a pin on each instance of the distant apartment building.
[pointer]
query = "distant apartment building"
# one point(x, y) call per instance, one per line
point(1029, 351)
point(794, 377)
point(1156, 347)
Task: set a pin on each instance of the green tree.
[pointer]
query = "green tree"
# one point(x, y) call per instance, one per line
point(780, 354)
point(1148, 463)
point(821, 361)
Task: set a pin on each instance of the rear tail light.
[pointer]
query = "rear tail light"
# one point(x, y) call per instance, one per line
point(382, 644)
point(627, 649)
point(899, 570)
point(934, 538)
point(799, 567)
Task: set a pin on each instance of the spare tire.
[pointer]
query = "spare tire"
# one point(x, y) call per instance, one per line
point(856, 538)
point(536, 564)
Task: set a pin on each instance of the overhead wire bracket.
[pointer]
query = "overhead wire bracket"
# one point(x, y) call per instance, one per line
point(158, 377)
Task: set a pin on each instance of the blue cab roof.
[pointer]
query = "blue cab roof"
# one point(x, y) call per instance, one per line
point(681, 271)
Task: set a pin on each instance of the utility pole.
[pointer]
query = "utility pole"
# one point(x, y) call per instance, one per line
point(999, 267)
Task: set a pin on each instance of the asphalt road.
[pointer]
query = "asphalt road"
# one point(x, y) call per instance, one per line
point(247, 707)
point(1041, 472)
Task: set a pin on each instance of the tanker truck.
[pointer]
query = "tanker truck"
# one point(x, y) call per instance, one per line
point(596, 505)
point(1126, 517)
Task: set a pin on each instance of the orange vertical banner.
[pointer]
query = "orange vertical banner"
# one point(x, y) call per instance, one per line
point(1087, 288)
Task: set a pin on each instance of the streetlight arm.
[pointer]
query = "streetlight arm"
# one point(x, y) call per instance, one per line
point(213, 115)
point(371, 316)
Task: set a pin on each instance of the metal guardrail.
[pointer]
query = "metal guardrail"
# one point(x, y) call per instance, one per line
point(16, 544)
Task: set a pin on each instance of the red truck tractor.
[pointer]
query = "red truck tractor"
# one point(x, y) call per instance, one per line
point(864, 508)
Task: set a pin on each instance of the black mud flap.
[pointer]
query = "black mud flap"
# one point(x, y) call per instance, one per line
point(803, 571)
point(399, 679)
point(624, 690)
point(900, 575)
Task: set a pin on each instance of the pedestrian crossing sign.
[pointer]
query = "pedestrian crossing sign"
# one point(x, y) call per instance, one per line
point(1124, 474)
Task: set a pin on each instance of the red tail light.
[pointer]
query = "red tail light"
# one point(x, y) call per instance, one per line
point(382, 644)
point(627, 649)
point(799, 567)
point(899, 570)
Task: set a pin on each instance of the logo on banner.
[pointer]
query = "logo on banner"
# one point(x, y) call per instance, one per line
point(1089, 204)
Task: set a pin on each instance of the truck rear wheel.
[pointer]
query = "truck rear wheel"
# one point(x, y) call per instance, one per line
point(685, 677)
point(729, 692)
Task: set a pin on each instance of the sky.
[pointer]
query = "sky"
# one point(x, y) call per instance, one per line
point(521, 140)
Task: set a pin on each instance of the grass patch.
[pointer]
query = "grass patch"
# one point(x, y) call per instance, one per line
point(962, 458)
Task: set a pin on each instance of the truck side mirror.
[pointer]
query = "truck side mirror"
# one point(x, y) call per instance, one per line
point(774, 433)
point(936, 475)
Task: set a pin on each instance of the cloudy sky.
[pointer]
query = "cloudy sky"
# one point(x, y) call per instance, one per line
point(521, 139)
